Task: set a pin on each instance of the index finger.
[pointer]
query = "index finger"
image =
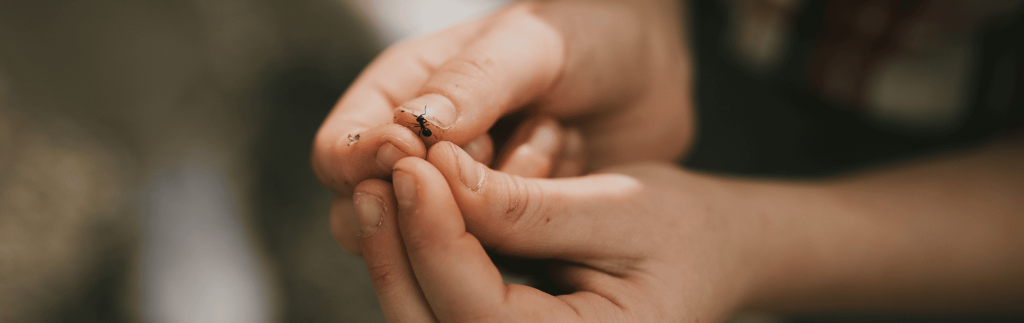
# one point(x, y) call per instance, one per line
point(456, 275)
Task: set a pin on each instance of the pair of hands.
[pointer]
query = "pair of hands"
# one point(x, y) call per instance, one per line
point(634, 243)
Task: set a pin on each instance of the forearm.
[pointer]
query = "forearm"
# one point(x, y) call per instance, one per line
point(939, 234)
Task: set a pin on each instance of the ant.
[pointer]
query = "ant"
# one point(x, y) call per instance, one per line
point(423, 123)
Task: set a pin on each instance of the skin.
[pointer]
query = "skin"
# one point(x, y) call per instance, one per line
point(638, 239)
point(613, 72)
point(650, 242)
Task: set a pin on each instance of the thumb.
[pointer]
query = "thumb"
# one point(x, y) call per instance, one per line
point(567, 218)
point(513, 61)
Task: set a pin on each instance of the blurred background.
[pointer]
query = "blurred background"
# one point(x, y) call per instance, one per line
point(154, 155)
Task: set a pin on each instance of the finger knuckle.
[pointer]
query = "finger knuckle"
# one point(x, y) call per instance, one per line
point(419, 242)
point(327, 164)
point(323, 148)
point(346, 241)
point(475, 68)
point(516, 203)
point(386, 274)
point(522, 207)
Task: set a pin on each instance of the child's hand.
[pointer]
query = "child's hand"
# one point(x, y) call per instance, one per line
point(617, 73)
point(643, 245)
point(650, 242)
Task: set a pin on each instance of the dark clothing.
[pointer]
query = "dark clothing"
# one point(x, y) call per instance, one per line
point(833, 94)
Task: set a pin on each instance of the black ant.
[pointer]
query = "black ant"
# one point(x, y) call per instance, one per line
point(423, 123)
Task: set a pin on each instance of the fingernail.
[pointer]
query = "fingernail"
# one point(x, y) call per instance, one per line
point(405, 188)
point(436, 108)
point(388, 155)
point(480, 149)
point(370, 211)
point(470, 172)
point(545, 138)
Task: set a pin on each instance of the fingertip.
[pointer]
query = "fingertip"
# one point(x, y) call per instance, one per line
point(410, 165)
point(405, 188)
point(376, 187)
point(430, 117)
point(547, 137)
point(479, 191)
point(533, 148)
point(526, 161)
point(387, 155)
point(343, 224)
point(573, 158)
point(328, 158)
point(459, 169)
point(415, 182)
point(361, 155)
point(373, 200)
point(481, 149)
point(435, 108)
point(426, 205)
point(443, 156)
point(442, 151)
point(450, 265)
point(394, 143)
point(387, 261)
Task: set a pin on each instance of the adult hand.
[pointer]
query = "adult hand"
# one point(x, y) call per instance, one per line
point(616, 73)
point(638, 245)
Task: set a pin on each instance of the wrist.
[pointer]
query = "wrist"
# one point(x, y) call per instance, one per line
point(791, 248)
point(744, 254)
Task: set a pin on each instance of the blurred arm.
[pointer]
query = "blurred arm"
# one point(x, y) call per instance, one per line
point(942, 234)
